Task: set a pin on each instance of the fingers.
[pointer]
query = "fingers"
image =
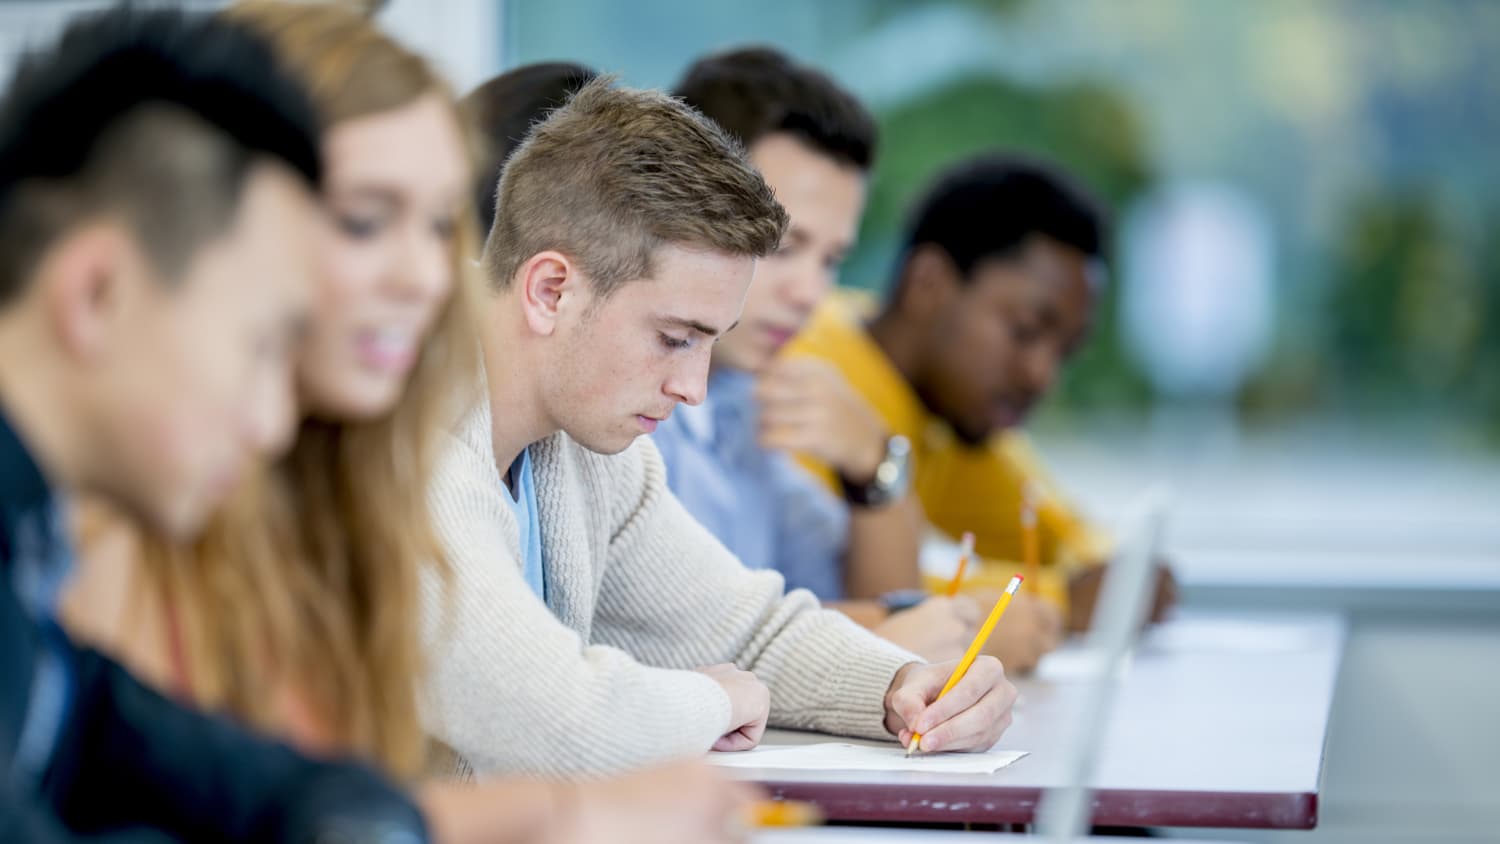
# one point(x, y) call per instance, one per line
point(740, 792)
point(790, 431)
point(796, 370)
point(738, 740)
point(978, 725)
point(726, 810)
point(786, 380)
point(807, 419)
point(757, 728)
point(977, 728)
point(984, 674)
point(967, 610)
point(802, 436)
point(753, 711)
point(749, 699)
point(802, 381)
point(922, 685)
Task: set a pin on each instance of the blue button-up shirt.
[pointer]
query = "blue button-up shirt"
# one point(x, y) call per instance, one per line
point(528, 522)
point(759, 503)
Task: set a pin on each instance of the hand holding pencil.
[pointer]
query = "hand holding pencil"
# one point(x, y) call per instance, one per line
point(960, 705)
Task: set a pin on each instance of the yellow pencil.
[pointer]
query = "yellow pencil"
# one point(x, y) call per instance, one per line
point(767, 813)
point(973, 651)
point(963, 563)
point(1029, 540)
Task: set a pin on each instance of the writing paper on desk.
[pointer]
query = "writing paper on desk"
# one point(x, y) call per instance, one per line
point(837, 756)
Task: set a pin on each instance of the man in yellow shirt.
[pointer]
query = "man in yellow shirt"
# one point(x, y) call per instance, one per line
point(994, 292)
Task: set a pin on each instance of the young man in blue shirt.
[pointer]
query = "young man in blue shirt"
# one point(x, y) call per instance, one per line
point(729, 460)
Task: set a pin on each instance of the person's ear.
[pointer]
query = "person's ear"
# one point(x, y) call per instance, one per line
point(88, 280)
point(929, 283)
point(547, 284)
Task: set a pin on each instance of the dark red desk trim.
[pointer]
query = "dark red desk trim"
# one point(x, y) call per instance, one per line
point(950, 804)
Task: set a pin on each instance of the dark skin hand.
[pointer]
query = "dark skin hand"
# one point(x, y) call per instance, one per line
point(1083, 593)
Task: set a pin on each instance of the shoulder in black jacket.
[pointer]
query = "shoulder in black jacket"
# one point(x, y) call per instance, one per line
point(85, 749)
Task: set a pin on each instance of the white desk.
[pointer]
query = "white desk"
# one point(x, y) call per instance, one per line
point(860, 835)
point(1219, 722)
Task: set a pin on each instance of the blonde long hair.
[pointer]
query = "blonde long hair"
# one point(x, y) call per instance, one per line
point(312, 575)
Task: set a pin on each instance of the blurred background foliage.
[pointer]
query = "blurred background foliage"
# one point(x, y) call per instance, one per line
point(1363, 131)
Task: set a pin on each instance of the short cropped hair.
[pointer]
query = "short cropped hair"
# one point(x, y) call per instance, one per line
point(617, 173)
point(502, 112)
point(153, 116)
point(756, 91)
point(990, 205)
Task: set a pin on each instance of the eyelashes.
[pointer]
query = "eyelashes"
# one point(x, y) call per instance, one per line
point(366, 228)
point(674, 343)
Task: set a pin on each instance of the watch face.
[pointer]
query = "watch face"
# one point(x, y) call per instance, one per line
point(891, 477)
point(898, 462)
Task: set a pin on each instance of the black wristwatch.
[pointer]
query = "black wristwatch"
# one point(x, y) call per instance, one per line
point(900, 600)
point(892, 477)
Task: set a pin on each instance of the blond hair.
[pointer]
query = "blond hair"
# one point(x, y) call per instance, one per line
point(616, 173)
point(311, 576)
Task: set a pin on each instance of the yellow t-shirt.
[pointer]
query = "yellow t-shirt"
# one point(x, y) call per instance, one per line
point(961, 488)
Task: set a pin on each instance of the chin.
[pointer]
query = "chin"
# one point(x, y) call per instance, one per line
point(185, 521)
point(361, 405)
point(603, 443)
point(758, 365)
point(975, 437)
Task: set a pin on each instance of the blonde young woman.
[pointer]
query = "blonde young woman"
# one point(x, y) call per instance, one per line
point(297, 612)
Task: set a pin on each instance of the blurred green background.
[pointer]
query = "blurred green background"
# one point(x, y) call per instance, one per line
point(1365, 133)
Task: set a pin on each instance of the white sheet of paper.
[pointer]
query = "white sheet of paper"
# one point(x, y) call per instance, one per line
point(837, 756)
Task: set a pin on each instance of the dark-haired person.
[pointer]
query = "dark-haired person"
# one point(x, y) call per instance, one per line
point(993, 293)
point(503, 109)
point(730, 459)
point(156, 175)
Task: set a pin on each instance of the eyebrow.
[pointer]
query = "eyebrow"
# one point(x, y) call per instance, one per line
point(369, 192)
point(694, 325)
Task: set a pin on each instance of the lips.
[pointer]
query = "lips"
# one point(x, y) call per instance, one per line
point(778, 335)
point(389, 350)
point(1009, 413)
point(649, 423)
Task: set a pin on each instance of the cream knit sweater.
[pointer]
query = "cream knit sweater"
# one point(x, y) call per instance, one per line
point(599, 678)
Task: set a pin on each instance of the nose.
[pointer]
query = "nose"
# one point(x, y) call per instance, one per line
point(688, 381)
point(1042, 364)
point(425, 270)
point(806, 285)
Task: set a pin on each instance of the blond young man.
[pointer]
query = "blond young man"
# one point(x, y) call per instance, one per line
point(591, 624)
